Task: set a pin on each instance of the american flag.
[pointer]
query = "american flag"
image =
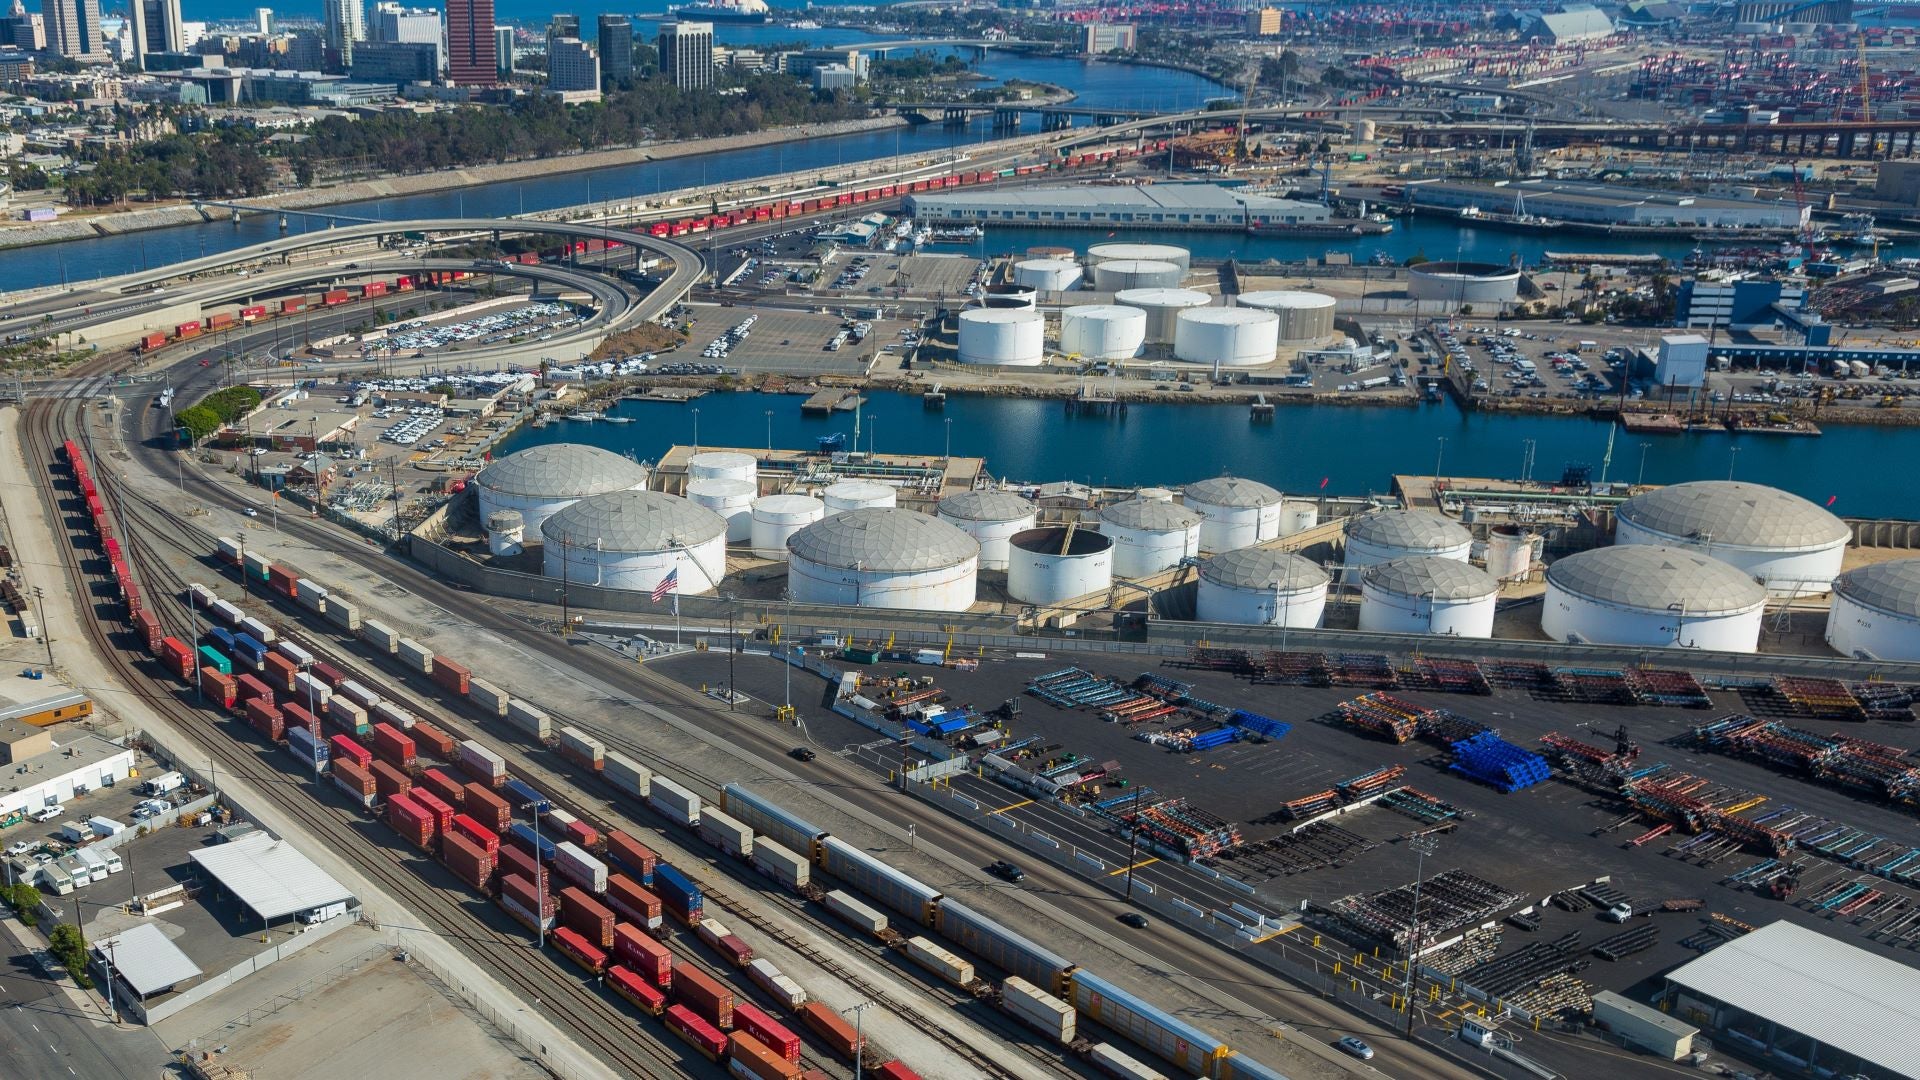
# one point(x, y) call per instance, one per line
point(670, 583)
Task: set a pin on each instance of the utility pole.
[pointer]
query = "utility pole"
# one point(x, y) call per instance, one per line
point(1133, 840)
point(39, 599)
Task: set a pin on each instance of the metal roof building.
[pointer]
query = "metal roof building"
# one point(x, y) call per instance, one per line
point(1804, 997)
point(1157, 206)
point(1567, 27)
point(145, 960)
point(271, 877)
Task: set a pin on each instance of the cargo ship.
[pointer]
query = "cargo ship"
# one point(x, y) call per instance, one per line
point(725, 11)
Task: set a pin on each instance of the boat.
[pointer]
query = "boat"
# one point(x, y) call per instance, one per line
point(1381, 258)
point(803, 24)
point(1858, 230)
point(1471, 213)
point(963, 235)
point(725, 11)
point(618, 419)
point(587, 416)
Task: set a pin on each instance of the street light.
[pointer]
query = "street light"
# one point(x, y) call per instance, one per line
point(732, 648)
point(1642, 478)
point(949, 453)
point(859, 1014)
point(1423, 846)
point(1438, 456)
point(769, 431)
point(696, 431)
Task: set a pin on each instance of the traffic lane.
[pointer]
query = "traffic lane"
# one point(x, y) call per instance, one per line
point(43, 1037)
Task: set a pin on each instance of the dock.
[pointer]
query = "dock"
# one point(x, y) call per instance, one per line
point(1261, 409)
point(934, 399)
point(675, 394)
point(827, 402)
point(1652, 423)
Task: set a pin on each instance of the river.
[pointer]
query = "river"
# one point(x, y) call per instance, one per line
point(1353, 450)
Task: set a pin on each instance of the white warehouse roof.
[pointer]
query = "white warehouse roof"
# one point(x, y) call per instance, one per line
point(1819, 986)
point(561, 470)
point(270, 876)
point(146, 959)
point(633, 521)
point(1651, 577)
point(1736, 513)
point(883, 539)
point(1890, 587)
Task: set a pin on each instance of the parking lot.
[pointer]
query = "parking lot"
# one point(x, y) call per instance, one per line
point(877, 274)
point(1528, 361)
point(792, 342)
point(540, 320)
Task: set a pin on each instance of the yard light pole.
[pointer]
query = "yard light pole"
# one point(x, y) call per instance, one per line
point(539, 877)
point(1133, 840)
point(769, 431)
point(1642, 478)
point(733, 695)
point(859, 1014)
point(1438, 456)
point(1423, 846)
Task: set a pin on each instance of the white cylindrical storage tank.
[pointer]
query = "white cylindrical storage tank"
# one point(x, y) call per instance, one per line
point(1297, 517)
point(859, 495)
point(506, 533)
point(1304, 316)
point(1155, 494)
point(1425, 594)
point(1015, 295)
point(1226, 337)
point(1121, 252)
point(633, 540)
point(723, 465)
point(1163, 308)
point(1876, 612)
point(1647, 595)
point(1237, 512)
point(731, 499)
point(1262, 587)
point(1011, 337)
point(1790, 544)
point(1395, 534)
point(775, 518)
point(1150, 536)
point(1047, 275)
point(1049, 566)
point(1509, 553)
point(1103, 331)
point(991, 518)
point(540, 480)
point(886, 558)
point(1120, 274)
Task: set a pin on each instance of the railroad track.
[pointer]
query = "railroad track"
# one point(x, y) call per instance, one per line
point(590, 1016)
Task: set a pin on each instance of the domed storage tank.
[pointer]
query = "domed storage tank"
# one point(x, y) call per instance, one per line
point(1155, 494)
point(1163, 308)
point(1394, 534)
point(1047, 566)
point(1876, 612)
point(1047, 275)
point(1149, 535)
point(731, 499)
point(1120, 274)
point(1304, 316)
point(1790, 544)
point(1297, 517)
point(1103, 331)
point(1010, 337)
point(506, 533)
point(1010, 296)
point(633, 540)
point(859, 495)
point(991, 518)
point(1227, 337)
point(887, 558)
point(777, 517)
point(723, 465)
point(1238, 512)
point(1178, 256)
point(1262, 587)
point(541, 480)
point(1644, 594)
point(1425, 594)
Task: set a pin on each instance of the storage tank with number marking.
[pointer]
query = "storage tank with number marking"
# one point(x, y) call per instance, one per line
point(633, 540)
point(1103, 331)
point(1262, 587)
point(1238, 512)
point(1150, 535)
point(1787, 542)
point(1648, 595)
point(1055, 564)
point(541, 480)
point(1227, 337)
point(991, 518)
point(1394, 534)
point(1008, 337)
point(777, 517)
point(1876, 612)
point(1426, 594)
point(884, 558)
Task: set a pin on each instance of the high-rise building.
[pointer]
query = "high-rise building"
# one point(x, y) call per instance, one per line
point(1104, 37)
point(263, 20)
point(346, 24)
point(573, 66)
point(686, 53)
point(407, 26)
point(471, 56)
point(503, 52)
point(396, 62)
point(22, 30)
point(562, 26)
point(73, 29)
point(616, 50)
point(156, 28)
point(1264, 22)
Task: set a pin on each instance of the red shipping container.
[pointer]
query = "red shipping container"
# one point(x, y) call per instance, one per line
point(187, 329)
point(748, 1057)
point(633, 947)
point(434, 804)
point(258, 311)
point(634, 856)
point(280, 673)
point(588, 917)
point(515, 859)
point(414, 824)
point(153, 341)
point(487, 808)
point(708, 999)
point(835, 1032)
point(298, 716)
point(634, 988)
point(452, 791)
point(177, 655)
point(895, 1070)
point(283, 582)
point(147, 626)
point(250, 687)
point(218, 687)
point(344, 747)
point(221, 321)
point(583, 834)
point(265, 719)
point(391, 780)
point(737, 952)
point(451, 674)
point(777, 1038)
point(362, 780)
point(482, 837)
point(334, 296)
point(472, 865)
point(432, 741)
point(631, 902)
point(393, 747)
point(328, 674)
point(703, 1036)
point(524, 892)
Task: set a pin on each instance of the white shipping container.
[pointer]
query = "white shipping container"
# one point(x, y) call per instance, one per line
point(712, 930)
point(416, 656)
point(306, 688)
point(310, 594)
point(202, 596)
point(782, 989)
point(261, 632)
point(1114, 1063)
point(559, 818)
point(676, 802)
point(725, 833)
point(230, 548)
point(477, 760)
point(299, 656)
point(226, 614)
point(529, 719)
point(626, 774)
point(359, 694)
point(857, 913)
point(780, 864)
point(379, 635)
point(342, 709)
point(488, 696)
point(1053, 1017)
point(578, 746)
point(924, 952)
point(343, 614)
point(580, 866)
point(388, 712)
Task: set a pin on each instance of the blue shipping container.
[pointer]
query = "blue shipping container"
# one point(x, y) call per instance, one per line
point(524, 836)
point(248, 649)
point(676, 890)
point(221, 637)
point(525, 801)
point(301, 745)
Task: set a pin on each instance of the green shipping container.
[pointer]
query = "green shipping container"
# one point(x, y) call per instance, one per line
point(212, 658)
point(860, 656)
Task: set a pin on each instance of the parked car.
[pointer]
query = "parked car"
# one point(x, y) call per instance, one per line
point(47, 813)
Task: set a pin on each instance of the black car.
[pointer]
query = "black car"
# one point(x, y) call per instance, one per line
point(1006, 871)
point(801, 753)
point(1135, 920)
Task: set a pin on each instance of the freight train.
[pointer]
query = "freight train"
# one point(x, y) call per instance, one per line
point(136, 616)
point(1043, 988)
point(247, 315)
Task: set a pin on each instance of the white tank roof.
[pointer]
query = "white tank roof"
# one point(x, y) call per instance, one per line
point(1284, 298)
point(633, 521)
point(1150, 515)
point(1001, 315)
point(1264, 569)
point(1170, 298)
point(1412, 529)
point(1430, 575)
point(784, 503)
point(1889, 587)
point(1733, 512)
point(561, 471)
point(1653, 577)
point(883, 540)
point(987, 506)
point(1123, 250)
point(1232, 491)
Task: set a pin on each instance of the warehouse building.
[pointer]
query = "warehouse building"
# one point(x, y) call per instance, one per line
point(1601, 204)
point(1804, 999)
point(1576, 24)
point(1159, 206)
point(54, 777)
point(273, 880)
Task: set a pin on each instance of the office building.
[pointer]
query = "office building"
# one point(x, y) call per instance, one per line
point(472, 59)
point(832, 77)
point(395, 62)
point(503, 51)
point(1756, 304)
point(573, 67)
point(616, 50)
point(1108, 37)
point(73, 29)
point(263, 20)
point(1264, 22)
point(562, 26)
point(686, 53)
point(156, 28)
point(22, 30)
point(409, 26)
point(800, 65)
point(346, 26)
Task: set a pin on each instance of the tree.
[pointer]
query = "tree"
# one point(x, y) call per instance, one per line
point(69, 946)
point(199, 421)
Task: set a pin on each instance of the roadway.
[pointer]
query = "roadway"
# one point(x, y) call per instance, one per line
point(50, 1032)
